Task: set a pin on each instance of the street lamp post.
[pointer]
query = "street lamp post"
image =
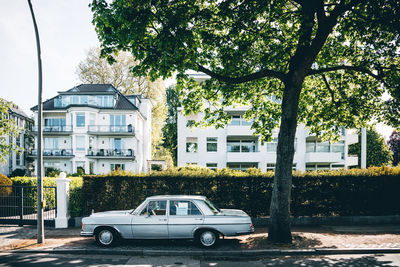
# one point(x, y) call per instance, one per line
point(40, 224)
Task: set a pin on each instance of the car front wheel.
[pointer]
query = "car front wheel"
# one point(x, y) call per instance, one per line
point(106, 237)
point(208, 239)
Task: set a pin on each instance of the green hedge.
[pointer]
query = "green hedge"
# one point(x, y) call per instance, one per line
point(325, 193)
point(75, 202)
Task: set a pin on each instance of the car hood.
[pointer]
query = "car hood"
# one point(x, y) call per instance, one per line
point(110, 213)
point(232, 212)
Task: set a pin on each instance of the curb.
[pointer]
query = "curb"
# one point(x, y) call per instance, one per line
point(215, 253)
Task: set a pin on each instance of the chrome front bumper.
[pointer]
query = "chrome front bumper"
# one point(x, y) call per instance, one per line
point(86, 234)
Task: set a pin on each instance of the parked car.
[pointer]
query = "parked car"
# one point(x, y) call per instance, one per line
point(168, 217)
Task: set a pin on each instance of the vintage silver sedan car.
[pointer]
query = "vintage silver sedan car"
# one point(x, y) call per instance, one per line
point(168, 217)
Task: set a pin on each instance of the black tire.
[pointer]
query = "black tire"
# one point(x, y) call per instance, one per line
point(207, 238)
point(106, 237)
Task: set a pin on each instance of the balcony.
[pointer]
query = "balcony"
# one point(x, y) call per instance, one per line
point(54, 130)
point(54, 153)
point(110, 130)
point(323, 157)
point(352, 139)
point(110, 153)
point(352, 160)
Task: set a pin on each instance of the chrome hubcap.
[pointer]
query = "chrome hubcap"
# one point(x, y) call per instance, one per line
point(105, 237)
point(207, 238)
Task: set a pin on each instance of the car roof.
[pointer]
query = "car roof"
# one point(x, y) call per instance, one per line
point(178, 197)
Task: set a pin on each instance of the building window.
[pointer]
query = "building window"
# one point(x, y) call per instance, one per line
point(322, 147)
point(238, 120)
point(117, 167)
point(18, 159)
point(315, 146)
point(92, 119)
point(212, 166)
point(191, 144)
point(212, 144)
point(80, 119)
point(241, 145)
point(117, 123)
point(239, 166)
point(80, 143)
point(271, 146)
point(270, 166)
point(338, 148)
point(50, 143)
point(18, 140)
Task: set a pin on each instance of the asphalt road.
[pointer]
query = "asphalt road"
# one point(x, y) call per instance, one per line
point(22, 259)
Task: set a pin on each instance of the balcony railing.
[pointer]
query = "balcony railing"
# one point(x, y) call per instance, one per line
point(54, 129)
point(54, 152)
point(110, 129)
point(110, 153)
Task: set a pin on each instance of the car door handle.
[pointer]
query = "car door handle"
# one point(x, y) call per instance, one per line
point(198, 219)
point(163, 220)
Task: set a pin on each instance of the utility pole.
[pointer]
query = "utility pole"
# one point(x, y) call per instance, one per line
point(39, 167)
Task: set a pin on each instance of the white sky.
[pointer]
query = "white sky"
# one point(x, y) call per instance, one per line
point(66, 34)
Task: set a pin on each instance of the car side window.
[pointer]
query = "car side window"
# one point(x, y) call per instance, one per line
point(155, 208)
point(183, 208)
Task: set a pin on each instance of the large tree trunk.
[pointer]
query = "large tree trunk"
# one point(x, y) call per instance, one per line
point(279, 230)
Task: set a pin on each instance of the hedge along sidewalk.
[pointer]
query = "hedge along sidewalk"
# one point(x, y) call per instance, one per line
point(367, 192)
point(75, 191)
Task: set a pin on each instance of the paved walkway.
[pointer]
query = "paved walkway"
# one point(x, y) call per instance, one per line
point(304, 238)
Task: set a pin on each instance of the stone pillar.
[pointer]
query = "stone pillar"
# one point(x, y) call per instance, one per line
point(62, 201)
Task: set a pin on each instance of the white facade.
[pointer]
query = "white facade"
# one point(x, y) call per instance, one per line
point(97, 139)
point(236, 147)
point(16, 160)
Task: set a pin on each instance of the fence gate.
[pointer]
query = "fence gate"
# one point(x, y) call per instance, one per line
point(18, 205)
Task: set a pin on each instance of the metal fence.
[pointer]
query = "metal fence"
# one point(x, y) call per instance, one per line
point(18, 205)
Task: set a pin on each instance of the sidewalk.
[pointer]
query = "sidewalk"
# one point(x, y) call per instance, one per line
point(306, 241)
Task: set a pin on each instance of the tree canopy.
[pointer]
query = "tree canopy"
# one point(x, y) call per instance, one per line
point(328, 62)
point(378, 152)
point(8, 127)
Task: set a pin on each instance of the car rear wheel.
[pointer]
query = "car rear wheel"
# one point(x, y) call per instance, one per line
point(106, 237)
point(207, 238)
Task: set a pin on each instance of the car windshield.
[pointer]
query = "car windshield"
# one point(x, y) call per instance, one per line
point(211, 206)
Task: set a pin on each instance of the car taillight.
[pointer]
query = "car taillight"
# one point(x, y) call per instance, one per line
point(82, 226)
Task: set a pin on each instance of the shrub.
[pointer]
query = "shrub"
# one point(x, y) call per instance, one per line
point(319, 193)
point(18, 172)
point(51, 172)
point(5, 182)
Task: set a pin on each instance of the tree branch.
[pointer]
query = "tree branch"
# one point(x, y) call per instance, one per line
point(246, 78)
point(337, 103)
point(345, 67)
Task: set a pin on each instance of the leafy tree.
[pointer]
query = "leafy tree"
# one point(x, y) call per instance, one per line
point(95, 69)
point(8, 127)
point(394, 144)
point(170, 129)
point(327, 61)
point(378, 152)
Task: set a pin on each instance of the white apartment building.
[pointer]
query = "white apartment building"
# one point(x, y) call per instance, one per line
point(95, 128)
point(237, 148)
point(16, 160)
